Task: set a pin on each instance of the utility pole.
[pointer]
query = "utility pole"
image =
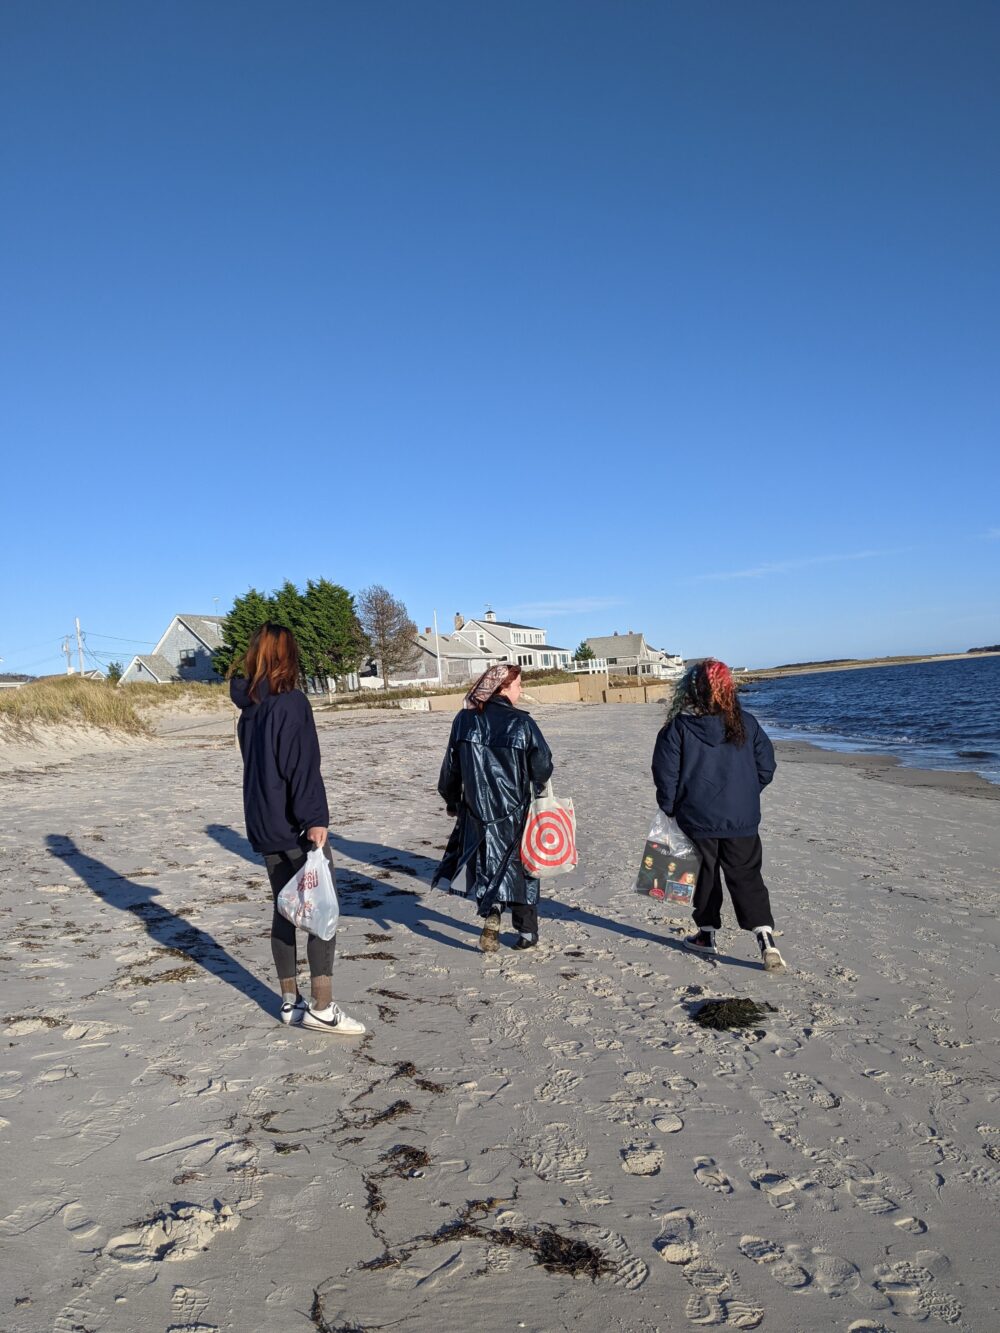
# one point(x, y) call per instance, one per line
point(437, 648)
point(65, 649)
point(79, 644)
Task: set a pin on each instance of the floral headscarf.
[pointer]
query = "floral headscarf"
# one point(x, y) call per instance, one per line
point(493, 678)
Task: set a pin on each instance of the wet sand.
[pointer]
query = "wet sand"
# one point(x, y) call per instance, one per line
point(176, 1159)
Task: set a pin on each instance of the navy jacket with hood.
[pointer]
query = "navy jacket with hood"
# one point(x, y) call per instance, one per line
point(711, 786)
point(283, 792)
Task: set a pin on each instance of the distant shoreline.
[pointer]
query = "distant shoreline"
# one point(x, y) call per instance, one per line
point(853, 664)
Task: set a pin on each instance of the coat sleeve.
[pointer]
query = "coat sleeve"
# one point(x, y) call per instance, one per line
point(450, 781)
point(763, 753)
point(540, 763)
point(297, 759)
point(667, 766)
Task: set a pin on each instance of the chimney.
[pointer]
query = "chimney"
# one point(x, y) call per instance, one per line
point(428, 631)
point(459, 620)
point(615, 635)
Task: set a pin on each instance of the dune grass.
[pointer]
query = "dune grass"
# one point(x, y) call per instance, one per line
point(201, 694)
point(70, 702)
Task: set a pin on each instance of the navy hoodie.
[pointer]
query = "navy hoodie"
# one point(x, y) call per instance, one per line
point(711, 786)
point(283, 792)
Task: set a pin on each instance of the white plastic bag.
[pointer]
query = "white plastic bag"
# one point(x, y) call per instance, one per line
point(309, 899)
point(670, 863)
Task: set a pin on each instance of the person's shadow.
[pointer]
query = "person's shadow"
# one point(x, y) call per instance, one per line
point(162, 925)
point(368, 895)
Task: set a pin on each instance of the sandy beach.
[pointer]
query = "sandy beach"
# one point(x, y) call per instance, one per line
point(176, 1159)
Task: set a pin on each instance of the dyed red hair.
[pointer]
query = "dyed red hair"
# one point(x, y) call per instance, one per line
point(713, 690)
point(273, 656)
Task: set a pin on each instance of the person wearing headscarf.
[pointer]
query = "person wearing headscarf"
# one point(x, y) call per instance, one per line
point(711, 762)
point(496, 760)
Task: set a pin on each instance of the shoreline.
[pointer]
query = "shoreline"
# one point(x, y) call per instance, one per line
point(754, 674)
point(889, 768)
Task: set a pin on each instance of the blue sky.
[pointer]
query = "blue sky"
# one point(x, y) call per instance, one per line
point(680, 318)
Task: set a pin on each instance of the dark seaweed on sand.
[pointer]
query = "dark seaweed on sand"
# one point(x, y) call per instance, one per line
point(723, 1014)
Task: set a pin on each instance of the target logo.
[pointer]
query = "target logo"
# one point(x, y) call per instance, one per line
point(549, 842)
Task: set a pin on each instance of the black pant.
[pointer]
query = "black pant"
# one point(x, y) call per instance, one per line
point(740, 859)
point(281, 867)
point(525, 919)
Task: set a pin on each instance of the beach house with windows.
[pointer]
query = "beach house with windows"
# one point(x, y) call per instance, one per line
point(436, 658)
point(184, 652)
point(630, 655)
point(527, 645)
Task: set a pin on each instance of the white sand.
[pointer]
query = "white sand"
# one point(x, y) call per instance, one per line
point(176, 1159)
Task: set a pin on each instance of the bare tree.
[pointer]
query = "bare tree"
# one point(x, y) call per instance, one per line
point(388, 627)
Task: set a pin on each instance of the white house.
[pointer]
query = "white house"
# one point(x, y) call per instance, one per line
point(527, 645)
point(460, 662)
point(184, 652)
point(630, 655)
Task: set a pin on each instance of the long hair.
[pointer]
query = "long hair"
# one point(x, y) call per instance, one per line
point(709, 688)
point(273, 656)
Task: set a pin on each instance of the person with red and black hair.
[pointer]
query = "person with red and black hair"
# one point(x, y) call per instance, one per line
point(284, 802)
point(711, 762)
point(496, 760)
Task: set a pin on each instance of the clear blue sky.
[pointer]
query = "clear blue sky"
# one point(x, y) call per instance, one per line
point(673, 317)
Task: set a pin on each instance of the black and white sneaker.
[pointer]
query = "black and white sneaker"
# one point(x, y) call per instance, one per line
point(332, 1019)
point(703, 941)
point(292, 1011)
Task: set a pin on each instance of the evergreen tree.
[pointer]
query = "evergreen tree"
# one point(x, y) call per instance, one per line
point(584, 653)
point(340, 644)
point(244, 620)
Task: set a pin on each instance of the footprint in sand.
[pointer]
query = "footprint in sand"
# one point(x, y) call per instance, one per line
point(779, 1266)
point(84, 1232)
point(668, 1123)
point(710, 1175)
point(676, 1243)
point(180, 1232)
point(558, 1087)
point(641, 1161)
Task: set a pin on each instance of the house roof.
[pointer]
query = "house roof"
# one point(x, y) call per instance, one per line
point(158, 665)
point(452, 647)
point(618, 645)
point(504, 624)
point(207, 628)
point(540, 648)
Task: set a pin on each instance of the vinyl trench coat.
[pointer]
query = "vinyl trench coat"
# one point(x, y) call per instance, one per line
point(495, 761)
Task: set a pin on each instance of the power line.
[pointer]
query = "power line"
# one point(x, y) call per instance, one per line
point(116, 639)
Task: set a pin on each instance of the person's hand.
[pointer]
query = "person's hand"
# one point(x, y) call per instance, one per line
point(318, 836)
point(451, 810)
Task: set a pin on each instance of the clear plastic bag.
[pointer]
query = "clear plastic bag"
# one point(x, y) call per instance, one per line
point(670, 863)
point(309, 899)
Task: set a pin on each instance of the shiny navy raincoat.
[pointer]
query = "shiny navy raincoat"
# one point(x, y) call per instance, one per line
point(495, 762)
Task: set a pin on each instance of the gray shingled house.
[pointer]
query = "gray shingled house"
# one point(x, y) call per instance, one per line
point(184, 652)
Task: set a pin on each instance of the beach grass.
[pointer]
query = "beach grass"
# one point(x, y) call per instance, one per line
point(71, 702)
point(199, 693)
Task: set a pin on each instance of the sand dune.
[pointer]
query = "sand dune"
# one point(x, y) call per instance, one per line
point(176, 1159)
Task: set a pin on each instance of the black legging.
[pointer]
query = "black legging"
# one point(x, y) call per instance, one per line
point(281, 867)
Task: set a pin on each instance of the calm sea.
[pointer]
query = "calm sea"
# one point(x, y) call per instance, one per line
point(929, 714)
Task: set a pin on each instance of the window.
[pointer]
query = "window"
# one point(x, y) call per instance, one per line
point(546, 659)
point(481, 639)
point(525, 659)
point(612, 661)
point(187, 657)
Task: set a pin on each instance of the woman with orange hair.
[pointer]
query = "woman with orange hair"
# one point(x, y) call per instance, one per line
point(711, 762)
point(284, 802)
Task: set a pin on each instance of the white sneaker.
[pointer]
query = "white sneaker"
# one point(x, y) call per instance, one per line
point(769, 953)
point(332, 1019)
point(292, 1012)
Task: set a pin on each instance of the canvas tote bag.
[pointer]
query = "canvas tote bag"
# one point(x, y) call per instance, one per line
point(548, 844)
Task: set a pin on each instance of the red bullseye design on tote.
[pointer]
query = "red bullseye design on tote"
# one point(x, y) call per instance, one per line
point(548, 841)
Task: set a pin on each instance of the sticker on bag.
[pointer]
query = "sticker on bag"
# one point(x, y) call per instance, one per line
point(670, 863)
point(309, 899)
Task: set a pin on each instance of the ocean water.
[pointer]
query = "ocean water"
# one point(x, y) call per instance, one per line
point(928, 714)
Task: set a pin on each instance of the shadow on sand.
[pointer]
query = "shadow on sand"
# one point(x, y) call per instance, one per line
point(367, 895)
point(163, 926)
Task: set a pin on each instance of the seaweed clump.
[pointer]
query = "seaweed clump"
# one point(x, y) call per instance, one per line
point(735, 1013)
